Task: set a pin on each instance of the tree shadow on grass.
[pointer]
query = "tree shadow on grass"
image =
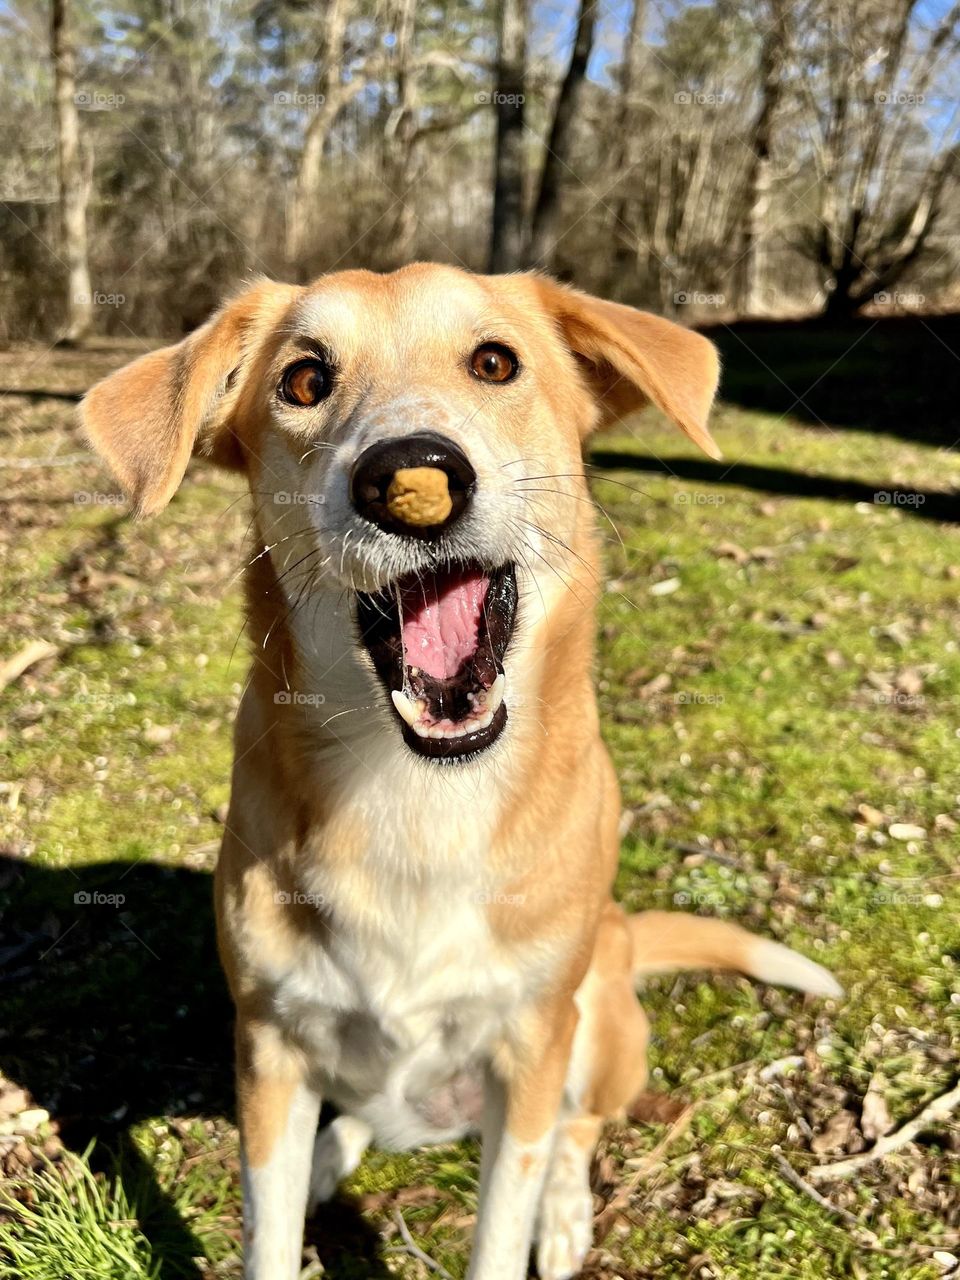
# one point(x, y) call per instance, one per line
point(925, 504)
point(893, 376)
point(115, 1011)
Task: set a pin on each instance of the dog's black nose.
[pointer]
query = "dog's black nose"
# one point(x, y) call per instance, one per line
point(417, 485)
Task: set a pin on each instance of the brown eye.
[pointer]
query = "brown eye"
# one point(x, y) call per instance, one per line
point(306, 383)
point(493, 362)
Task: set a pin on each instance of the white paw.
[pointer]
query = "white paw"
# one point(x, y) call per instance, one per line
point(327, 1168)
point(337, 1151)
point(565, 1233)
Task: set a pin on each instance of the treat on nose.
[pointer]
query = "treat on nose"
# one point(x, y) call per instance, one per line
point(418, 485)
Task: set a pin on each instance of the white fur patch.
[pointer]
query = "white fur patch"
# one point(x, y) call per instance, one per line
point(275, 1196)
point(507, 1209)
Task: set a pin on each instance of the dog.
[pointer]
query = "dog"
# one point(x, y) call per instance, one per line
point(413, 895)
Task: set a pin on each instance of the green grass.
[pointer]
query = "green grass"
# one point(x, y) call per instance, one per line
point(806, 664)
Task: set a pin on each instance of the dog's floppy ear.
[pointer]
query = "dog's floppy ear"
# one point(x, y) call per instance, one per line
point(632, 358)
point(146, 419)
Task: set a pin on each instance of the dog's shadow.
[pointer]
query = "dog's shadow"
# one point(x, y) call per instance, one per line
point(114, 1010)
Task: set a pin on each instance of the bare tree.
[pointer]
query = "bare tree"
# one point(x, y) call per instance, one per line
point(329, 99)
point(74, 187)
point(401, 134)
point(879, 191)
point(627, 152)
point(508, 226)
point(559, 147)
point(754, 271)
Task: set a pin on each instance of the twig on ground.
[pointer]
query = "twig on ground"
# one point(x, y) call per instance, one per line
point(410, 1246)
point(641, 1167)
point(800, 1184)
point(27, 657)
point(690, 847)
point(933, 1113)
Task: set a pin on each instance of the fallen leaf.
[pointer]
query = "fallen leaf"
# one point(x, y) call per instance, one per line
point(659, 684)
point(731, 551)
point(838, 1132)
point(875, 1118)
point(871, 816)
point(906, 831)
point(655, 1108)
point(157, 734)
point(908, 681)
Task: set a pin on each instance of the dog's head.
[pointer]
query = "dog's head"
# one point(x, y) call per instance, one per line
point(414, 440)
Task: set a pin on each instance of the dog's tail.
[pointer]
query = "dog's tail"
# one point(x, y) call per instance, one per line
point(667, 940)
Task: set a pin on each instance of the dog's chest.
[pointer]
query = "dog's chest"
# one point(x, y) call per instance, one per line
point(402, 998)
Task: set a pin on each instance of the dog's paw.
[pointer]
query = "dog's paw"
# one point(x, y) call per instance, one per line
point(337, 1151)
point(327, 1169)
point(565, 1232)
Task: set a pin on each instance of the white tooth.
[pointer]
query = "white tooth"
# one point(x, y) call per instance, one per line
point(422, 730)
point(436, 733)
point(495, 693)
point(485, 720)
point(405, 708)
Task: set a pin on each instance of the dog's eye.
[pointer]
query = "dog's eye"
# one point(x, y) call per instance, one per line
point(493, 362)
point(306, 383)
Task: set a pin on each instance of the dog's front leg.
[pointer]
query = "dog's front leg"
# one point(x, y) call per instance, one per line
point(523, 1096)
point(277, 1114)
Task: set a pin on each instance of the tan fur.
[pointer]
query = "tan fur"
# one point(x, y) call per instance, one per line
point(299, 815)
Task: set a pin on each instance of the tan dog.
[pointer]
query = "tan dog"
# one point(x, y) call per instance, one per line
point(413, 894)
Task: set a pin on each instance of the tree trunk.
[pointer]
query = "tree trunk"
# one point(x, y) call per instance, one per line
point(507, 231)
point(330, 100)
point(401, 139)
point(627, 156)
point(73, 183)
point(754, 272)
point(558, 156)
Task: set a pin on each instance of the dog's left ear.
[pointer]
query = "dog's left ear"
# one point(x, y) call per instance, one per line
point(632, 358)
point(146, 419)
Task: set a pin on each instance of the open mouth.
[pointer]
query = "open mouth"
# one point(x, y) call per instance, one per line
point(437, 641)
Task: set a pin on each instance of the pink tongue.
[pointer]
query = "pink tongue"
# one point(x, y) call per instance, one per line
point(441, 621)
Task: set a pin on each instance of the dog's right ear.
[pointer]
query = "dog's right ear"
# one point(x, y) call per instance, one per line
point(146, 419)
